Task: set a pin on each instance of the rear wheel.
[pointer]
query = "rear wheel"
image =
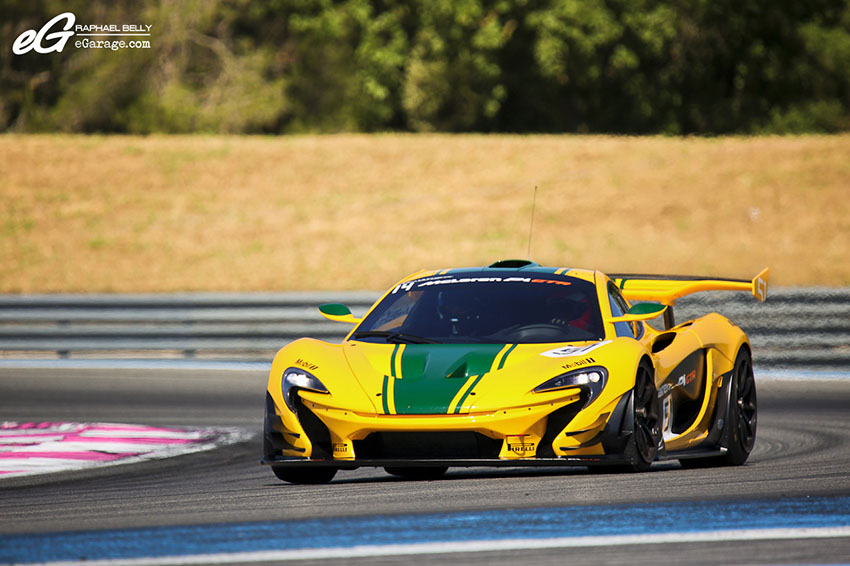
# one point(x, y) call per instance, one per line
point(642, 447)
point(417, 473)
point(304, 475)
point(741, 418)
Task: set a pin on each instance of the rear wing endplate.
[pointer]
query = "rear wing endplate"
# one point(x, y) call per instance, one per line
point(667, 289)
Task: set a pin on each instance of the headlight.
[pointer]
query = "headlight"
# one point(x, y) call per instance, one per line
point(593, 379)
point(295, 379)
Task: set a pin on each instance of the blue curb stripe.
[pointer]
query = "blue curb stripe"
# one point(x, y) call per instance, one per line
point(497, 525)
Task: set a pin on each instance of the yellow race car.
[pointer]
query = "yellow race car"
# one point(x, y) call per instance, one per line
point(515, 364)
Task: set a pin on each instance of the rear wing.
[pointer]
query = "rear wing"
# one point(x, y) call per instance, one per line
point(667, 289)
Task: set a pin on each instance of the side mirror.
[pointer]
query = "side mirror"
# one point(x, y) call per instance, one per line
point(338, 313)
point(640, 311)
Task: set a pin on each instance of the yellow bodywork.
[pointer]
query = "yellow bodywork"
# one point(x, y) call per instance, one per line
point(502, 407)
point(372, 387)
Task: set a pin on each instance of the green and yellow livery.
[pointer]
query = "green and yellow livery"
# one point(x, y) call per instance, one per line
point(515, 364)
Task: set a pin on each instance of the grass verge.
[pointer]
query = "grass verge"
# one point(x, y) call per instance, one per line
point(174, 213)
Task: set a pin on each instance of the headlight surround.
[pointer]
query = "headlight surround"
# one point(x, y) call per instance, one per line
point(592, 379)
point(295, 379)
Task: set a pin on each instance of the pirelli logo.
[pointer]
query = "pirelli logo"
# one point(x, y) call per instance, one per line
point(519, 445)
point(341, 450)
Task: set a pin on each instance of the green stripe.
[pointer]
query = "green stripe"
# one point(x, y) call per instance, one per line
point(505, 356)
point(432, 375)
point(392, 360)
point(622, 283)
point(384, 391)
point(384, 395)
point(465, 395)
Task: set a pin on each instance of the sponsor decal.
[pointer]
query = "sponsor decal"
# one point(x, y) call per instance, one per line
point(666, 422)
point(518, 445)
point(579, 363)
point(403, 287)
point(459, 281)
point(306, 365)
point(55, 34)
point(550, 282)
point(570, 351)
point(685, 380)
point(340, 448)
point(761, 289)
point(449, 280)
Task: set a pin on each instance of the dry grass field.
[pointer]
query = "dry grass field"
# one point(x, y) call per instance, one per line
point(138, 214)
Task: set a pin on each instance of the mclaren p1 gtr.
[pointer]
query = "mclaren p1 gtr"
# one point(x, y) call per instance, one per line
point(515, 364)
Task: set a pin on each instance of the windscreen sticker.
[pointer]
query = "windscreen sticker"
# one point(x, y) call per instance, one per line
point(461, 280)
point(570, 351)
point(431, 281)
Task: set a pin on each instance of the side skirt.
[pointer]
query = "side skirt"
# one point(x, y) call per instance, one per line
point(696, 453)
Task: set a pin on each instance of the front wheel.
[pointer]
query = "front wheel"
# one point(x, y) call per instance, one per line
point(310, 476)
point(645, 414)
point(643, 448)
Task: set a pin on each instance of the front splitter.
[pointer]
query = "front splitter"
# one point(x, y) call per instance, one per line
point(449, 462)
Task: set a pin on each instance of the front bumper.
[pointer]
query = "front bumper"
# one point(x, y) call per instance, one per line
point(535, 435)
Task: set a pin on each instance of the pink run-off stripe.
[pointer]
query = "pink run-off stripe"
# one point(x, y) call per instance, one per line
point(91, 456)
point(36, 426)
point(94, 440)
point(5, 446)
point(25, 434)
point(130, 428)
point(39, 448)
point(13, 429)
point(66, 425)
point(30, 434)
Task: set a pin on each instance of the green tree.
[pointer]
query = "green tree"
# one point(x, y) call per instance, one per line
point(276, 66)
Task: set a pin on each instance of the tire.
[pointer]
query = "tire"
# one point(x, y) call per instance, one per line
point(739, 432)
point(642, 447)
point(307, 476)
point(417, 473)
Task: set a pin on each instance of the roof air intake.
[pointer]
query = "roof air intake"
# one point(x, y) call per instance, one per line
point(513, 264)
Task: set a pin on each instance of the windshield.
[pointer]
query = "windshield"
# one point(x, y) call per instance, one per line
point(479, 307)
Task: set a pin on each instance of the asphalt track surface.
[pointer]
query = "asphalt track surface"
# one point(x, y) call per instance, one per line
point(802, 452)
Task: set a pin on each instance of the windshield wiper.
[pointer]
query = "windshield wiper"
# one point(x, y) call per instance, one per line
point(394, 337)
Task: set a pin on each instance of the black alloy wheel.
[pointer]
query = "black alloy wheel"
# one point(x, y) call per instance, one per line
point(643, 449)
point(739, 435)
point(643, 443)
point(743, 412)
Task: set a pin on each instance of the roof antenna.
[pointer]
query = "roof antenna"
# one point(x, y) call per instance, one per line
point(531, 226)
